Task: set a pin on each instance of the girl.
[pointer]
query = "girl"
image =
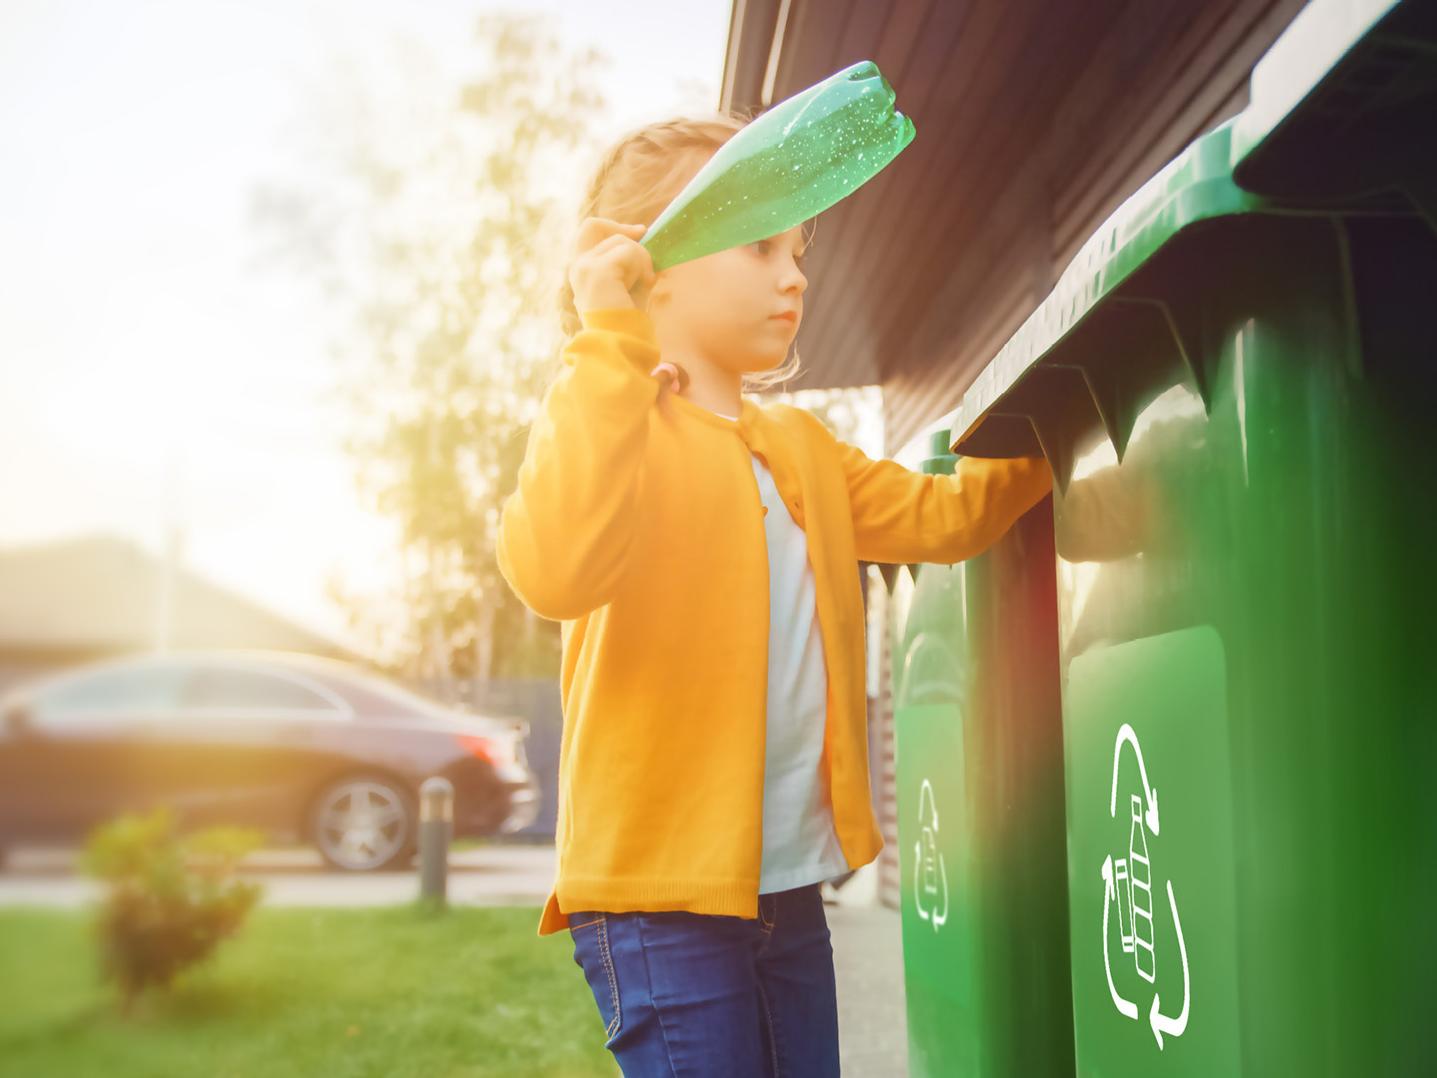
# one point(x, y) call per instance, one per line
point(700, 551)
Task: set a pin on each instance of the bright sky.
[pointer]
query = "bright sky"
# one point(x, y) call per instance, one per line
point(149, 365)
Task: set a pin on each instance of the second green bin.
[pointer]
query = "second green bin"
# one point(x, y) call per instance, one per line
point(980, 807)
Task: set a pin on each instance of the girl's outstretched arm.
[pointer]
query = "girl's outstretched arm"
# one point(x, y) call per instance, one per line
point(901, 515)
point(565, 532)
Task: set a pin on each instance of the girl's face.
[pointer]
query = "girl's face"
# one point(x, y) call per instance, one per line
point(722, 308)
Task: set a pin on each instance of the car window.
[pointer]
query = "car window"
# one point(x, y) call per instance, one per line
point(231, 687)
point(144, 689)
point(393, 700)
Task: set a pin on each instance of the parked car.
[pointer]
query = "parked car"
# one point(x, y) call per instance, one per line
point(306, 748)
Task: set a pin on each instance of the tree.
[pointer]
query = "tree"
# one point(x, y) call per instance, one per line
point(848, 412)
point(435, 236)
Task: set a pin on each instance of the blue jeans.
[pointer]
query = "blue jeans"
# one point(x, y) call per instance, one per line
point(686, 994)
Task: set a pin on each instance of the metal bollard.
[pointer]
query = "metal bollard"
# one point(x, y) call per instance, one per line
point(436, 827)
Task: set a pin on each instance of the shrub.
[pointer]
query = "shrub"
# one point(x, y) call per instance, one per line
point(169, 900)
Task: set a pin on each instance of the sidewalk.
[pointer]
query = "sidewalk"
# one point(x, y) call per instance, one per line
point(868, 962)
point(497, 875)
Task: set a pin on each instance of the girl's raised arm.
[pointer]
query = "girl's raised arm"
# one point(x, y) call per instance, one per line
point(565, 532)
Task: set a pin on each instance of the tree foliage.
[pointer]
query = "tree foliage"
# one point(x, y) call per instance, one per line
point(432, 232)
point(438, 232)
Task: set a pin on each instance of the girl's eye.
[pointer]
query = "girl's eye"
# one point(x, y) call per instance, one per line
point(799, 260)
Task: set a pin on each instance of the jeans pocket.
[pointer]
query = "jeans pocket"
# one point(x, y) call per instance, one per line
point(592, 953)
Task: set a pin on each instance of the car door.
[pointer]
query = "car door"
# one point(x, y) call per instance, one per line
point(238, 749)
point(78, 756)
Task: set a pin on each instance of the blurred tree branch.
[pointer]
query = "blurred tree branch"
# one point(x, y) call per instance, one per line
point(844, 411)
point(431, 234)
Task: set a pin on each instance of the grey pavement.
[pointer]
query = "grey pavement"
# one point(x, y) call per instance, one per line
point(497, 875)
point(867, 940)
point(868, 963)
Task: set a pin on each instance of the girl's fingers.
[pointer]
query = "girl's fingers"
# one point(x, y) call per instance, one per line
point(608, 243)
point(608, 253)
point(627, 254)
point(640, 261)
point(595, 229)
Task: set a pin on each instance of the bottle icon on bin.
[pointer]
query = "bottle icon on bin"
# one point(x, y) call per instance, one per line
point(1133, 877)
point(1128, 885)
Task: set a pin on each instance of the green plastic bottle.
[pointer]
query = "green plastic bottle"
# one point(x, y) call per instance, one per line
point(789, 164)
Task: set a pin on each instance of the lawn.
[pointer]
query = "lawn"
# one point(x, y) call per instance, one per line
point(388, 991)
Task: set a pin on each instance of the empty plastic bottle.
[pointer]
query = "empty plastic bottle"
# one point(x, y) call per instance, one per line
point(789, 164)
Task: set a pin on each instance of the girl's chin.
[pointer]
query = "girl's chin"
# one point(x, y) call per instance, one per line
point(764, 363)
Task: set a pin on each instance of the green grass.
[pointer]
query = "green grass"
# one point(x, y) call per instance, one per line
point(388, 991)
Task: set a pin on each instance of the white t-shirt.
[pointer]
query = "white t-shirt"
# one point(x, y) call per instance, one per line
point(800, 845)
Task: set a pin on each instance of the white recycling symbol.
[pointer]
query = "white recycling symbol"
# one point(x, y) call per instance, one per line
point(1128, 884)
point(930, 875)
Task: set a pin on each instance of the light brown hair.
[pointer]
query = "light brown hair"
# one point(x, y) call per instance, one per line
point(639, 176)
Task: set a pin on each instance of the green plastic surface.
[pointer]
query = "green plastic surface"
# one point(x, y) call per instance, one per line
point(1343, 109)
point(1293, 70)
point(789, 164)
point(1381, 160)
point(1236, 394)
point(1244, 615)
point(980, 810)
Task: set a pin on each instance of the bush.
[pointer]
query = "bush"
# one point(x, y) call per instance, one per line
point(170, 899)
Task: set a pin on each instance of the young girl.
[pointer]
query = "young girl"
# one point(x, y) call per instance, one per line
point(701, 552)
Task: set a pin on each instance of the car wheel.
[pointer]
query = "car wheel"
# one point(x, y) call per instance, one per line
point(364, 823)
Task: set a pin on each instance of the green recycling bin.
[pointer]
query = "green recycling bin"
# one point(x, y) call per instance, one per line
point(980, 808)
point(1234, 385)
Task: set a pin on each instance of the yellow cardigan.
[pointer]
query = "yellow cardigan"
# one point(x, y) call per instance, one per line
point(637, 524)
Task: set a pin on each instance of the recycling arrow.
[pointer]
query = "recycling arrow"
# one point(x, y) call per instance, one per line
point(933, 917)
point(938, 920)
point(1161, 1023)
point(1127, 734)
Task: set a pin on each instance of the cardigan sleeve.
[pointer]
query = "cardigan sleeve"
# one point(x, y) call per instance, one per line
point(901, 515)
point(565, 531)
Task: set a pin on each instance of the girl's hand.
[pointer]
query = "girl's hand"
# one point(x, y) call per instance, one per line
point(610, 268)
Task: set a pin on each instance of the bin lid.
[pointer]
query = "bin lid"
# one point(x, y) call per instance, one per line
point(1337, 103)
point(1195, 186)
point(1320, 60)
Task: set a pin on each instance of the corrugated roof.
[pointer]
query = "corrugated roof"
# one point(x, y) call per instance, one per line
point(1034, 120)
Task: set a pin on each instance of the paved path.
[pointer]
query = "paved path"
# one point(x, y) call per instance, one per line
point(498, 875)
point(868, 962)
point(867, 944)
